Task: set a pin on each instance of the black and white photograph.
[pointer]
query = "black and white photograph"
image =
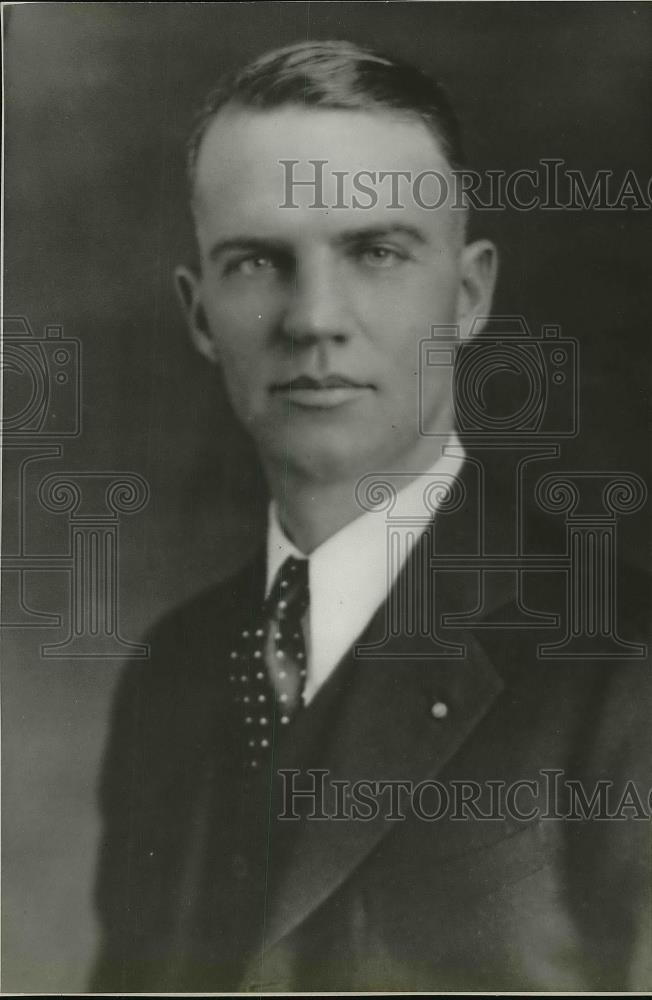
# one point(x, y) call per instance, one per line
point(325, 603)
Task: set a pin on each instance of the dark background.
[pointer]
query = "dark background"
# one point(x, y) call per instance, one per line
point(98, 101)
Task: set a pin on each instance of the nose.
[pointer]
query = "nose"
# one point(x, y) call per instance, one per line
point(316, 308)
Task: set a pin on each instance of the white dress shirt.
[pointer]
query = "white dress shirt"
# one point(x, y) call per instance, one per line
point(350, 574)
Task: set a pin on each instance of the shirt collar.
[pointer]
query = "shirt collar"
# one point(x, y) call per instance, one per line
point(350, 574)
point(365, 530)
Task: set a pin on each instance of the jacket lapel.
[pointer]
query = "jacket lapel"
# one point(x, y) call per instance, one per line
point(386, 732)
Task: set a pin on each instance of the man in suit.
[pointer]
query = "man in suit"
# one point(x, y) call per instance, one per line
point(335, 770)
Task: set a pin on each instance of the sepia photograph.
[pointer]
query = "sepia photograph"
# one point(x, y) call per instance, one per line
point(325, 550)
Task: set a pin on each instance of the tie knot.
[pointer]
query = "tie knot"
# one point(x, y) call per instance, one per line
point(289, 594)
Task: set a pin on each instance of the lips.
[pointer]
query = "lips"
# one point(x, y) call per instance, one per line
point(307, 382)
point(324, 393)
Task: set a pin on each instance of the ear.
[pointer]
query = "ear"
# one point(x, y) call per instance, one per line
point(188, 286)
point(479, 267)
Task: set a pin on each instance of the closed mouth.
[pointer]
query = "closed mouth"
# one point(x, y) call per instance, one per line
point(326, 394)
point(307, 382)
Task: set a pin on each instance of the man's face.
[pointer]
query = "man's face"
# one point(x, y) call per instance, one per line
point(316, 314)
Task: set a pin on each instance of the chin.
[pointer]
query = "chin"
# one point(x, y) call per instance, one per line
point(317, 459)
point(325, 465)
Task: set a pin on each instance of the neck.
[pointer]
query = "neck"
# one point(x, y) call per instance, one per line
point(310, 513)
point(311, 510)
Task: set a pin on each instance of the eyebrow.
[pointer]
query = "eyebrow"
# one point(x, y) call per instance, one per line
point(350, 237)
point(241, 243)
point(380, 232)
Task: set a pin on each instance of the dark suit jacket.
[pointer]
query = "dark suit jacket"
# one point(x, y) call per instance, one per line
point(202, 887)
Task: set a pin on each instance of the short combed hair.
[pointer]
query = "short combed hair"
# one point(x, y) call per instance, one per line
point(333, 75)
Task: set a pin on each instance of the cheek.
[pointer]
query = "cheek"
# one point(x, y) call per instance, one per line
point(403, 333)
point(399, 332)
point(239, 331)
point(240, 348)
point(239, 301)
point(407, 315)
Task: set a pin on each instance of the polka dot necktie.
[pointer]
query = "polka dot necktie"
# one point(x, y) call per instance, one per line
point(269, 664)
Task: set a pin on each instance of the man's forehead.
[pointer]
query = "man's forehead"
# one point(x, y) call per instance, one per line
point(354, 136)
point(257, 160)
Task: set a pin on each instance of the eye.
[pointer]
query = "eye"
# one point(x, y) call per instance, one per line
point(253, 264)
point(379, 256)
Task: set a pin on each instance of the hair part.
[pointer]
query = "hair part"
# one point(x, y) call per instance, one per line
point(336, 76)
